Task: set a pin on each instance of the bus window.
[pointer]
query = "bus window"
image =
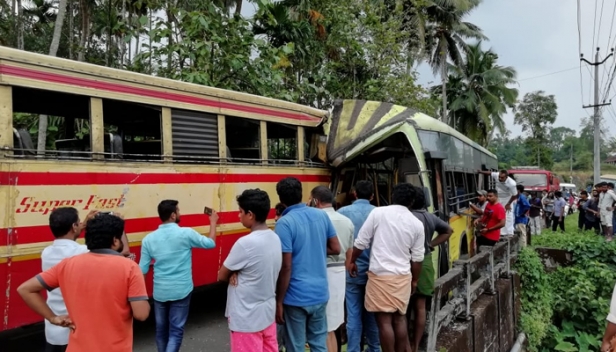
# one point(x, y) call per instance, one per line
point(68, 117)
point(282, 143)
point(132, 131)
point(242, 140)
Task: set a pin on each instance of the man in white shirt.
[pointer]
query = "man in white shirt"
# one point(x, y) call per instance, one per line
point(609, 337)
point(323, 198)
point(507, 195)
point(607, 198)
point(65, 227)
point(397, 238)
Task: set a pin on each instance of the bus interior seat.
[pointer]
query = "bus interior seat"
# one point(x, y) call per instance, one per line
point(229, 157)
point(23, 142)
point(113, 146)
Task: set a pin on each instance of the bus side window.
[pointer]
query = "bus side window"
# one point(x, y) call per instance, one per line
point(282, 143)
point(68, 118)
point(243, 140)
point(132, 131)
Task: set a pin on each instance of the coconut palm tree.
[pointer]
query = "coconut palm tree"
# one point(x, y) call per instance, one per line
point(479, 95)
point(53, 50)
point(445, 36)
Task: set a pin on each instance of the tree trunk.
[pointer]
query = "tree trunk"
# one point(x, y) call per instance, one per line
point(444, 91)
point(71, 29)
point(53, 50)
point(20, 26)
point(85, 30)
point(238, 7)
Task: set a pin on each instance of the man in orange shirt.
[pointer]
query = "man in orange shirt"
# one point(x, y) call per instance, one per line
point(103, 291)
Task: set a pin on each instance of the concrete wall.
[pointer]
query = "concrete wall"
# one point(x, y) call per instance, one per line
point(492, 325)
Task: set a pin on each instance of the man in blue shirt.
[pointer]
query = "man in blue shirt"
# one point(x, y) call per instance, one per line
point(358, 319)
point(521, 213)
point(307, 237)
point(171, 248)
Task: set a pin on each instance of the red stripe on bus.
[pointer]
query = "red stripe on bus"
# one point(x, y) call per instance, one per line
point(119, 88)
point(103, 178)
point(41, 233)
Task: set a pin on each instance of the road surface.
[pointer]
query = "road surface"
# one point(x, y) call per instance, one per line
point(206, 329)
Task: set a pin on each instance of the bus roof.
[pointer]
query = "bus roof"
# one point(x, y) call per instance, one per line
point(354, 121)
point(425, 122)
point(26, 69)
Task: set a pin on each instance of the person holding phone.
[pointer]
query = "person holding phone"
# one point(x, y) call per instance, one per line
point(171, 248)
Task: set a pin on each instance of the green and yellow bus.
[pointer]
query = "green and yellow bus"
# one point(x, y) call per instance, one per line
point(388, 144)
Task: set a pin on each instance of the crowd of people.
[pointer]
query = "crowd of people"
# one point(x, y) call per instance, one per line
point(291, 287)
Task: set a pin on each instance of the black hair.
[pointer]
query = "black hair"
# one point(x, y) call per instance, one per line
point(601, 184)
point(583, 192)
point(166, 208)
point(558, 194)
point(102, 230)
point(610, 185)
point(504, 172)
point(322, 194)
point(280, 208)
point(493, 191)
point(420, 199)
point(61, 220)
point(403, 194)
point(364, 190)
point(255, 201)
point(289, 191)
point(520, 188)
point(598, 185)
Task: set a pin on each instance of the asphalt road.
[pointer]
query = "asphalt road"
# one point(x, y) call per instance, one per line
point(206, 329)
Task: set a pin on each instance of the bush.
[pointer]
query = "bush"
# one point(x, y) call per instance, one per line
point(536, 297)
point(574, 299)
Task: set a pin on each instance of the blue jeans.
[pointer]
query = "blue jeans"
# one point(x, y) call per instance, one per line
point(305, 324)
point(170, 317)
point(359, 320)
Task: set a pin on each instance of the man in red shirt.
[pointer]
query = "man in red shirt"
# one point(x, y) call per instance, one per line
point(103, 291)
point(492, 221)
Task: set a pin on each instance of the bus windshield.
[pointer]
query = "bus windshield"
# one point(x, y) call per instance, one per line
point(532, 180)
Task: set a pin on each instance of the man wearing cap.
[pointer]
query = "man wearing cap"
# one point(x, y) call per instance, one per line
point(481, 202)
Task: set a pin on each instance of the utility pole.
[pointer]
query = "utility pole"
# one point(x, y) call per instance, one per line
point(596, 117)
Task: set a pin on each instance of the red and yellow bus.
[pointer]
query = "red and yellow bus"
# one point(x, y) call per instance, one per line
point(122, 141)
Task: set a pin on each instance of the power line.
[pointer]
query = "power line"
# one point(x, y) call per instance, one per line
point(600, 20)
point(548, 74)
point(579, 20)
point(609, 38)
point(594, 27)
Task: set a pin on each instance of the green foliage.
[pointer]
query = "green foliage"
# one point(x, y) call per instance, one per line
point(580, 292)
point(537, 298)
point(478, 94)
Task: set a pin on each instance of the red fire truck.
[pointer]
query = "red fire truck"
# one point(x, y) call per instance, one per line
point(535, 179)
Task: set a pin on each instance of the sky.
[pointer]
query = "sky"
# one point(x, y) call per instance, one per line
point(539, 38)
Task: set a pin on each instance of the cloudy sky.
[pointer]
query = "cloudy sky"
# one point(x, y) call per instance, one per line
point(539, 38)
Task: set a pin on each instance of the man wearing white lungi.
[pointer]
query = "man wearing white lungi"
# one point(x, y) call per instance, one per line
point(507, 196)
point(322, 198)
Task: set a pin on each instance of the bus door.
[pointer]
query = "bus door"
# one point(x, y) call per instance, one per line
point(435, 196)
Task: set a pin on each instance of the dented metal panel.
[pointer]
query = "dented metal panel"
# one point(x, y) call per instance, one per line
point(355, 121)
